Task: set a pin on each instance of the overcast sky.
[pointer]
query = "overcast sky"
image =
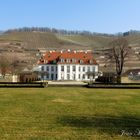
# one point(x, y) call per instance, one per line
point(104, 16)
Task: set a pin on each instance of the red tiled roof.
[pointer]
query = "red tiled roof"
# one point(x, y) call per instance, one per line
point(72, 57)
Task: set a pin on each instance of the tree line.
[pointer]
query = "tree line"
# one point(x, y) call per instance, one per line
point(70, 32)
point(58, 31)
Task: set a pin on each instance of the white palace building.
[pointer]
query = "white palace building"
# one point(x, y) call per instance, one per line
point(67, 65)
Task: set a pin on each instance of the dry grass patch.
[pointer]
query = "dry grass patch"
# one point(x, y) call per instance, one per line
point(61, 100)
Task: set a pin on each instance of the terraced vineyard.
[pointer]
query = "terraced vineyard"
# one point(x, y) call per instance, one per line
point(30, 42)
point(94, 42)
point(33, 39)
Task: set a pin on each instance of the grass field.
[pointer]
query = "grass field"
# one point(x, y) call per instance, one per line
point(69, 114)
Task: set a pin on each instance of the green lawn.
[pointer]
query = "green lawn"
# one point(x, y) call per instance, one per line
point(69, 114)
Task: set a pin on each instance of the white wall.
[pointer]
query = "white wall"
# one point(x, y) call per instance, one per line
point(15, 78)
point(49, 71)
point(62, 75)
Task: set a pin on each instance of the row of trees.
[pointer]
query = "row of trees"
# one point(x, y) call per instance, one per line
point(59, 31)
point(70, 32)
point(131, 32)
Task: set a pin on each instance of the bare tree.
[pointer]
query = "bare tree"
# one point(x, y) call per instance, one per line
point(4, 65)
point(119, 53)
point(9, 63)
point(14, 63)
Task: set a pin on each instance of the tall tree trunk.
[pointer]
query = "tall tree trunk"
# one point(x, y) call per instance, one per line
point(119, 79)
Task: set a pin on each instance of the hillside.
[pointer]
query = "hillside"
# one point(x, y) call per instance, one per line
point(36, 39)
point(58, 41)
point(30, 44)
point(93, 42)
point(32, 39)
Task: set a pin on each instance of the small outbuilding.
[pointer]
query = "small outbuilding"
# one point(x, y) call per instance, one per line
point(25, 76)
point(28, 77)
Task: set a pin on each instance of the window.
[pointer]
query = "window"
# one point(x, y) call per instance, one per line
point(62, 60)
point(73, 60)
point(83, 68)
point(54, 61)
point(42, 76)
point(52, 68)
point(68, 69)
point(83, 76)
point(88, 69)
point(62, 68)
point(93, 69)
point(56, 68)
point(47, 68)
point(45, 61)
point(52, 76)
point(62, 76)
point(88, 76)
point(68, 76)
point(56, 76)
point(90, 61)
point(81, 61)
point(47, 76)
point(74, 77)
point(74, 68)
point(42, 68)
point(79, 68)
point(68, 60)
point(79, 76)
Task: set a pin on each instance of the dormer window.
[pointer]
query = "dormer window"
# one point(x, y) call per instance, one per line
point(68, 60)
point(54, 61)
point(81, 61)
point(45, 61)
point(90, 61)
point(62, 60)
point(73, 60)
